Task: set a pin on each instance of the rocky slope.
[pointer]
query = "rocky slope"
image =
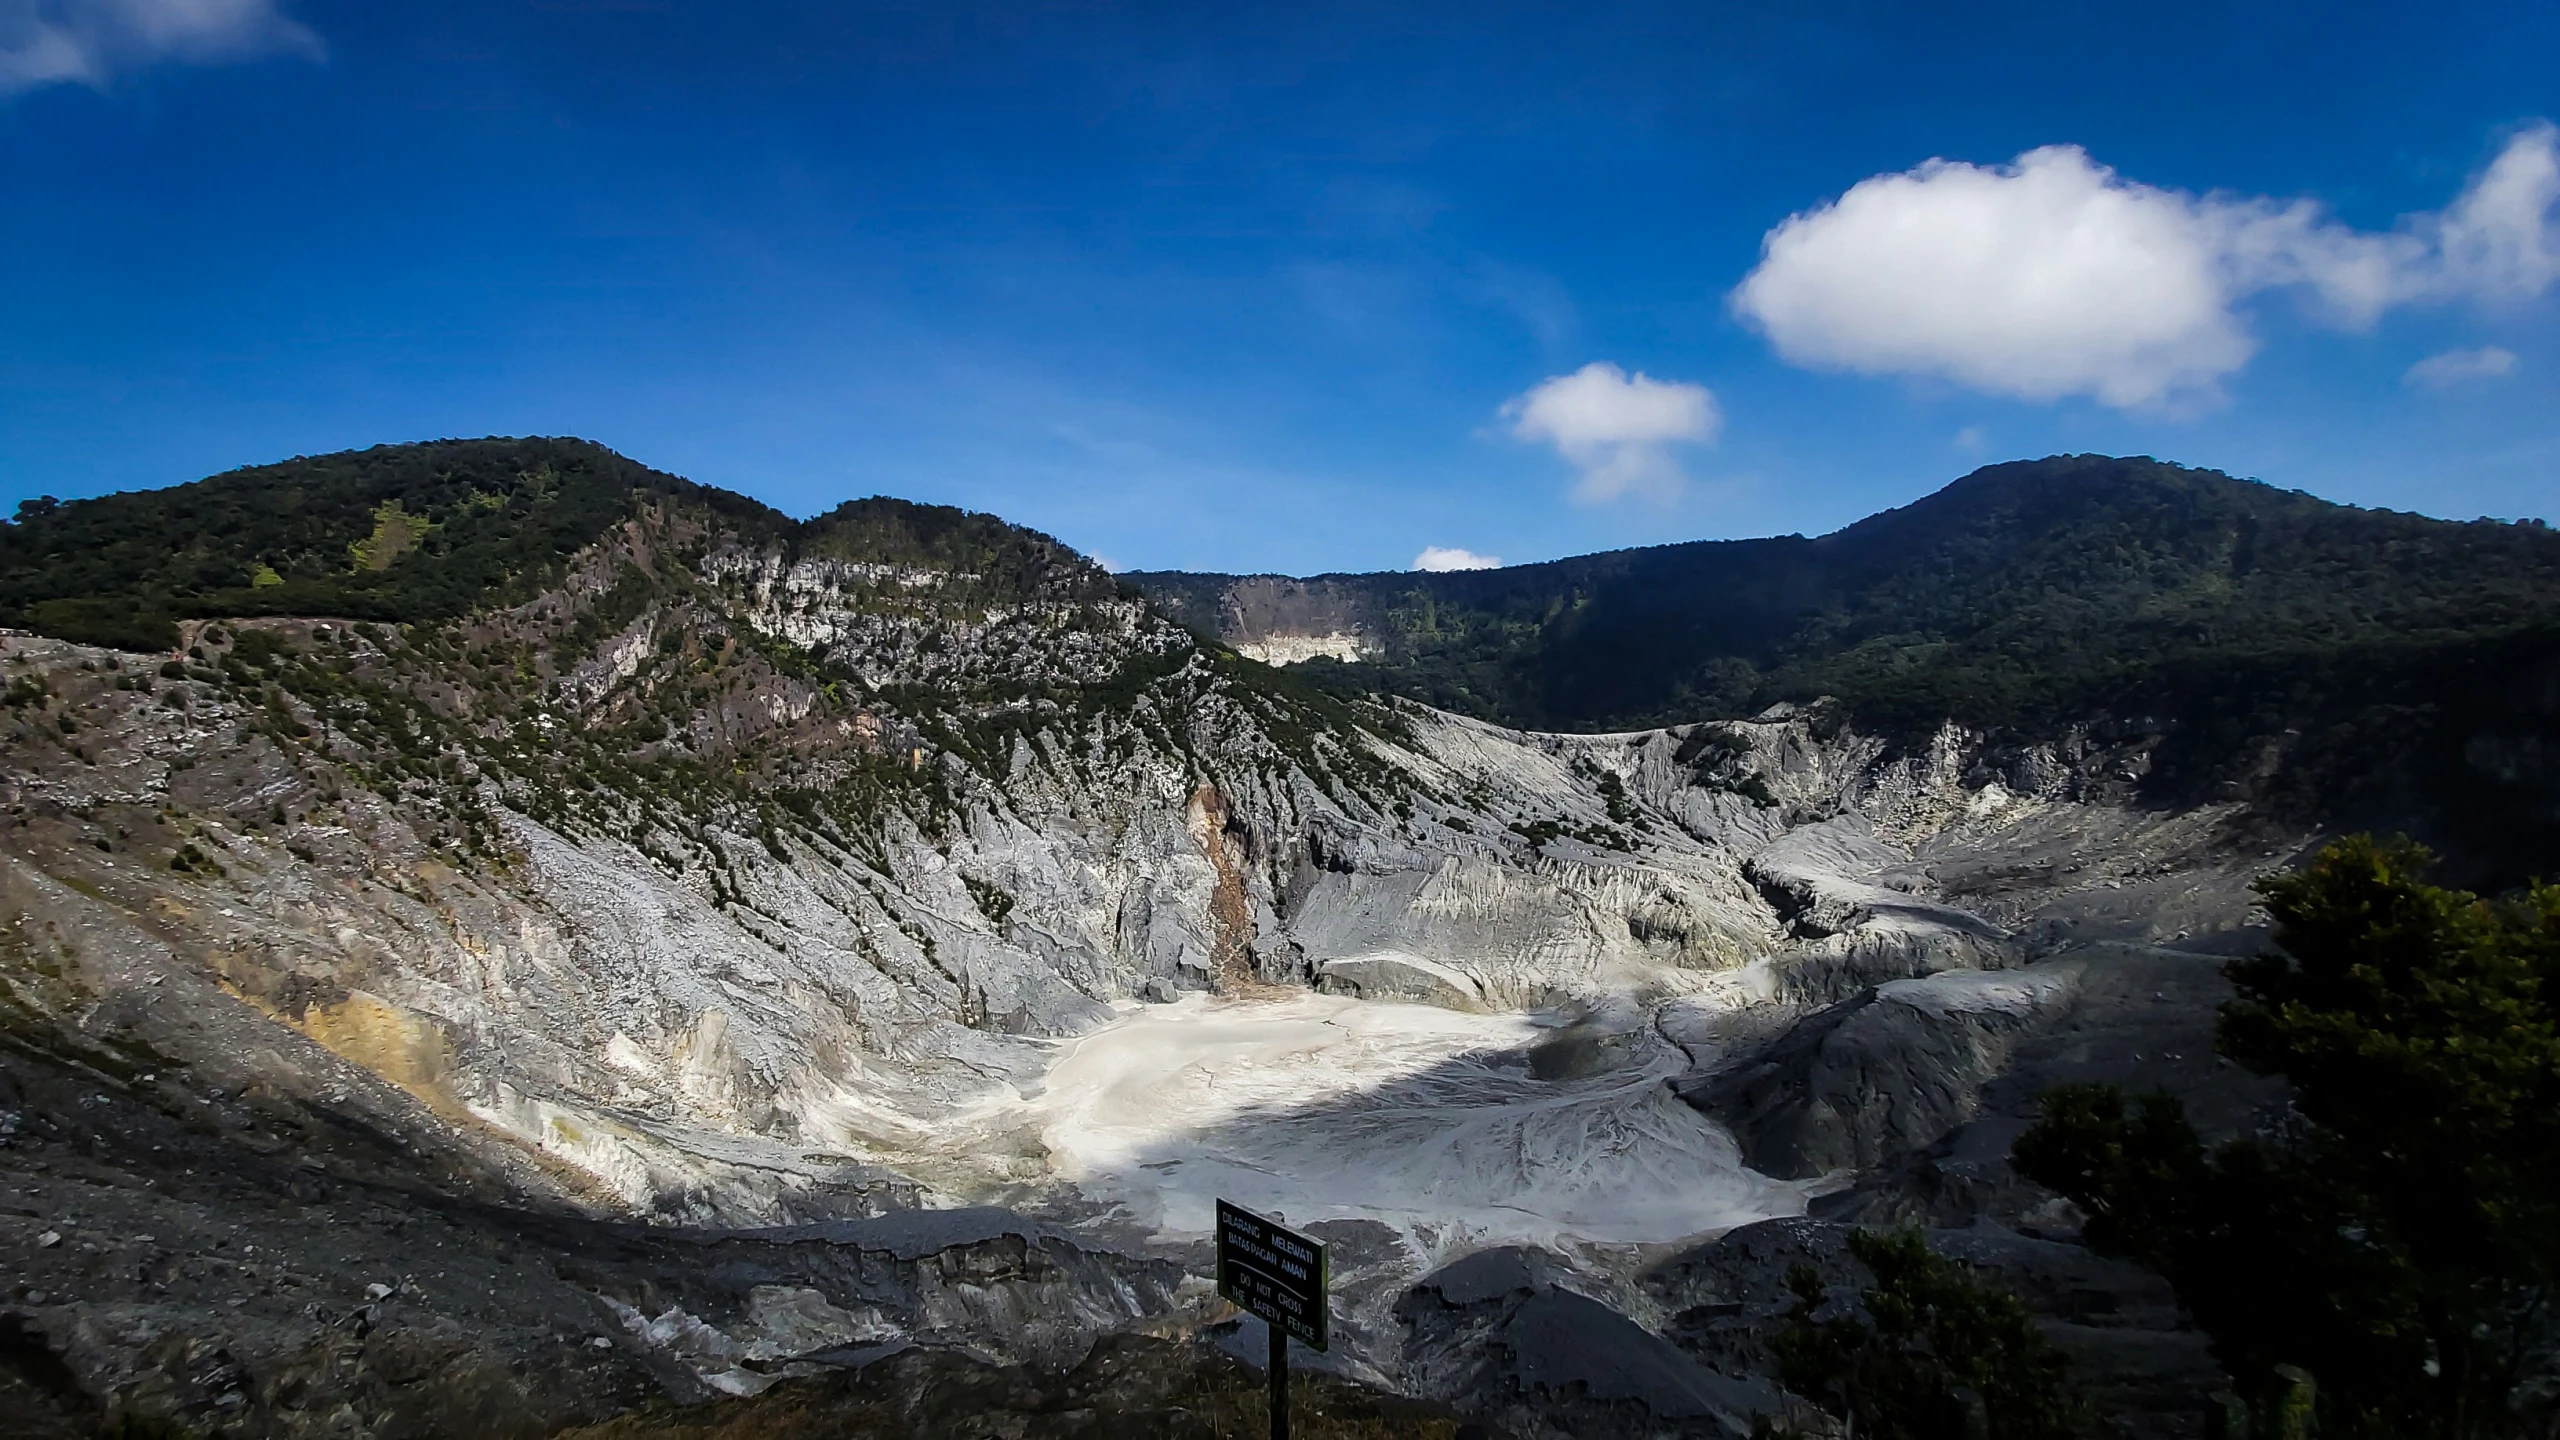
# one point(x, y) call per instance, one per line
point(788, 890)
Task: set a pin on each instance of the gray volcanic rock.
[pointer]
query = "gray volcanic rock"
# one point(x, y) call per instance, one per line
point(2137, 1016)
point(1885, 1072)
point(1499, 1335)
point(244, 1260)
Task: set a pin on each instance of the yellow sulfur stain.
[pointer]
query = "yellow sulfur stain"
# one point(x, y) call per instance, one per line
point(400, 1047)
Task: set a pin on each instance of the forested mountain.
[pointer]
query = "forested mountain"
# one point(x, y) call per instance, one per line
point(2364, 665)
point(2016, 593)
point(429, 532)
point(398, 532)
point(2022, 594)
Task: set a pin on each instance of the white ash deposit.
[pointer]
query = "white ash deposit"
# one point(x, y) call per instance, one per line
point(1432, 1122)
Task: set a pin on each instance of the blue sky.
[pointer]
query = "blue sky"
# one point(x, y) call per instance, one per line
point(1232, 287)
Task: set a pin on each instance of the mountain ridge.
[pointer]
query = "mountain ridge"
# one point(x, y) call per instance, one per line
point(2142, 527)
point(347, 533)
point(2359, 667)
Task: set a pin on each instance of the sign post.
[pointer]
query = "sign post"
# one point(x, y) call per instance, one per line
point(1282, 1276)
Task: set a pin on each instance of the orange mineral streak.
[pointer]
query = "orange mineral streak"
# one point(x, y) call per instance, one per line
point(1222, 837)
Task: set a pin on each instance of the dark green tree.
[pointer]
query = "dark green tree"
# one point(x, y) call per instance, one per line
point(2401, 1239)
point(1937, 1354)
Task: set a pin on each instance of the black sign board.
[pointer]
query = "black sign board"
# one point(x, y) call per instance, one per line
point(1276, 1273)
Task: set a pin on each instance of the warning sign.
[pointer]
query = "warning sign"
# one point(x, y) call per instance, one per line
point(1276, 1273)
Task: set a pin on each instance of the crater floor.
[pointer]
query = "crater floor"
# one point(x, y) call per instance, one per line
point(1453, 1130)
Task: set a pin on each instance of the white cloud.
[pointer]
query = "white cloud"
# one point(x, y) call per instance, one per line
point(2455, 366)
point(1617, 428)
point(2055, 276)
point(1439, 558)
point(2499, 240)
point(88, 42)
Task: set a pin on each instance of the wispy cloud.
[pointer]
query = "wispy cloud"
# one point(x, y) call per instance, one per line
point(1616, 428)
point(90, 42)
point(2455, 366)
point(2053, 275)
point(1440, 558)
point(1536, 299)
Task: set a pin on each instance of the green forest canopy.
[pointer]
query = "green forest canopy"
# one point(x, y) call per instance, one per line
point(423, 532)
point(2020, 592)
